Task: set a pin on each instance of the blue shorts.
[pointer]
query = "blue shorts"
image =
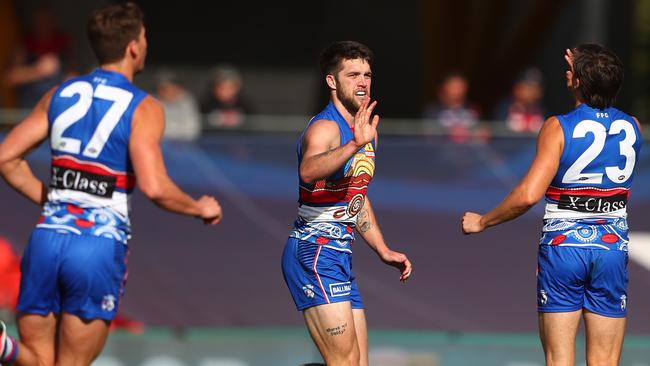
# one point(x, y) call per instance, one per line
point(77, 274)
point(571, 278)
point(317, 274)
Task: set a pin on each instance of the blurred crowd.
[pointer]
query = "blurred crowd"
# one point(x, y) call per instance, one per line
point(520, 112)
point(45, 57)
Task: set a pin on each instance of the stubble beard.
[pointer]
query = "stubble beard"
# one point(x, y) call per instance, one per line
point(349, 102)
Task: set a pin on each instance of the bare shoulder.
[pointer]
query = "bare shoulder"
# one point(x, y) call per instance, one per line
point(551, 129)
point(551, 135)
point(552, 123)
point(46, 99)
point(323, 126)
point(149, 111)
point(323, 131)
point(149, 107)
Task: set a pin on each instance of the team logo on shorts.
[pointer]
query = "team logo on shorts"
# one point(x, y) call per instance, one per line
point(309, 290)
point(543, 298)
point(623, 302)
point(108, 303)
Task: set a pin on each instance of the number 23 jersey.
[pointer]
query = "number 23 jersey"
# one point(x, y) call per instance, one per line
point(91, 172)
point(586, 201)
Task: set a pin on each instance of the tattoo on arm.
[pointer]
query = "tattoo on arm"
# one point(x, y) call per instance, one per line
point(338, 330)
point(363, 221)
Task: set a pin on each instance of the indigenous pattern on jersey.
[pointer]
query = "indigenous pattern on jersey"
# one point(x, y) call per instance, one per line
point(586, 201)
point(593, 233)
point(92, 177)
point(328, 209)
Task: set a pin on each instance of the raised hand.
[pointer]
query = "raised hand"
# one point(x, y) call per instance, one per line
point(399, 261)
point(365, 129)
point(210, 210)
point(568, 56)
point(472, 223)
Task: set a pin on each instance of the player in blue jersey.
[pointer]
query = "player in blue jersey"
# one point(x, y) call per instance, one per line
point(584, 166)
point(104, 135)
point(336, 156)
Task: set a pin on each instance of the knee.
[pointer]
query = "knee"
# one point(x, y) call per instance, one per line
point(602, 360)
point(349, 357)
point(354, 358)
point(555, 359)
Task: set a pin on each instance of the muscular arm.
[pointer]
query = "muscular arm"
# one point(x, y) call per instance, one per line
point(531, 188)
point(322, 155)
point(369, 230)
point(27, 135)
point(144, 146)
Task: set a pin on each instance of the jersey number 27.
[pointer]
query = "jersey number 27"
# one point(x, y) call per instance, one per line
point(120, 98)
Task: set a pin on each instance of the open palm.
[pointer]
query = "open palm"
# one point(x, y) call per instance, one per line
point(365, 129)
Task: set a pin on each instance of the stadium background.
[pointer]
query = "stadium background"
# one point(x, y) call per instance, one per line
point(215, 296)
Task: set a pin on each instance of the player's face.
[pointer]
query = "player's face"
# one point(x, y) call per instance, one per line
point(353, 83)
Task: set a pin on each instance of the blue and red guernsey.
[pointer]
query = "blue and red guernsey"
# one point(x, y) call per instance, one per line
point(327, 212)
point(588, 196)
point(91, 175)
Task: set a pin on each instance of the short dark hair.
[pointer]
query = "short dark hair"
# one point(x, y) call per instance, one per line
point(600, 73)
point(111, 28)
point(337, 52)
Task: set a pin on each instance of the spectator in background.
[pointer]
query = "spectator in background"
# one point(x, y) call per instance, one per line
point(182, 117)
point(452, 112)
point(43, 59)
point(522, 112)
point(224, 104)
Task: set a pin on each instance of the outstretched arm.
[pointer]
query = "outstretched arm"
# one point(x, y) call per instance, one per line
point(531, 188)
point(369, 229)
point(322, 153)
point(27, 135)
point(144, 146)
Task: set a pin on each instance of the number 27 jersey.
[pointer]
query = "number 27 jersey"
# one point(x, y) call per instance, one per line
point(586, 201)
point(91, 172)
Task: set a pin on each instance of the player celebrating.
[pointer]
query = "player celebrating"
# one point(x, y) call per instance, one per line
point(585, 166)
point(103, 134)
point(336, 156)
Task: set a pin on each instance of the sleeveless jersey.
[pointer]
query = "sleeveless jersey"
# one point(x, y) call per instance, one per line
point(586, 201)
point(327, 211)
point(91, 173)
